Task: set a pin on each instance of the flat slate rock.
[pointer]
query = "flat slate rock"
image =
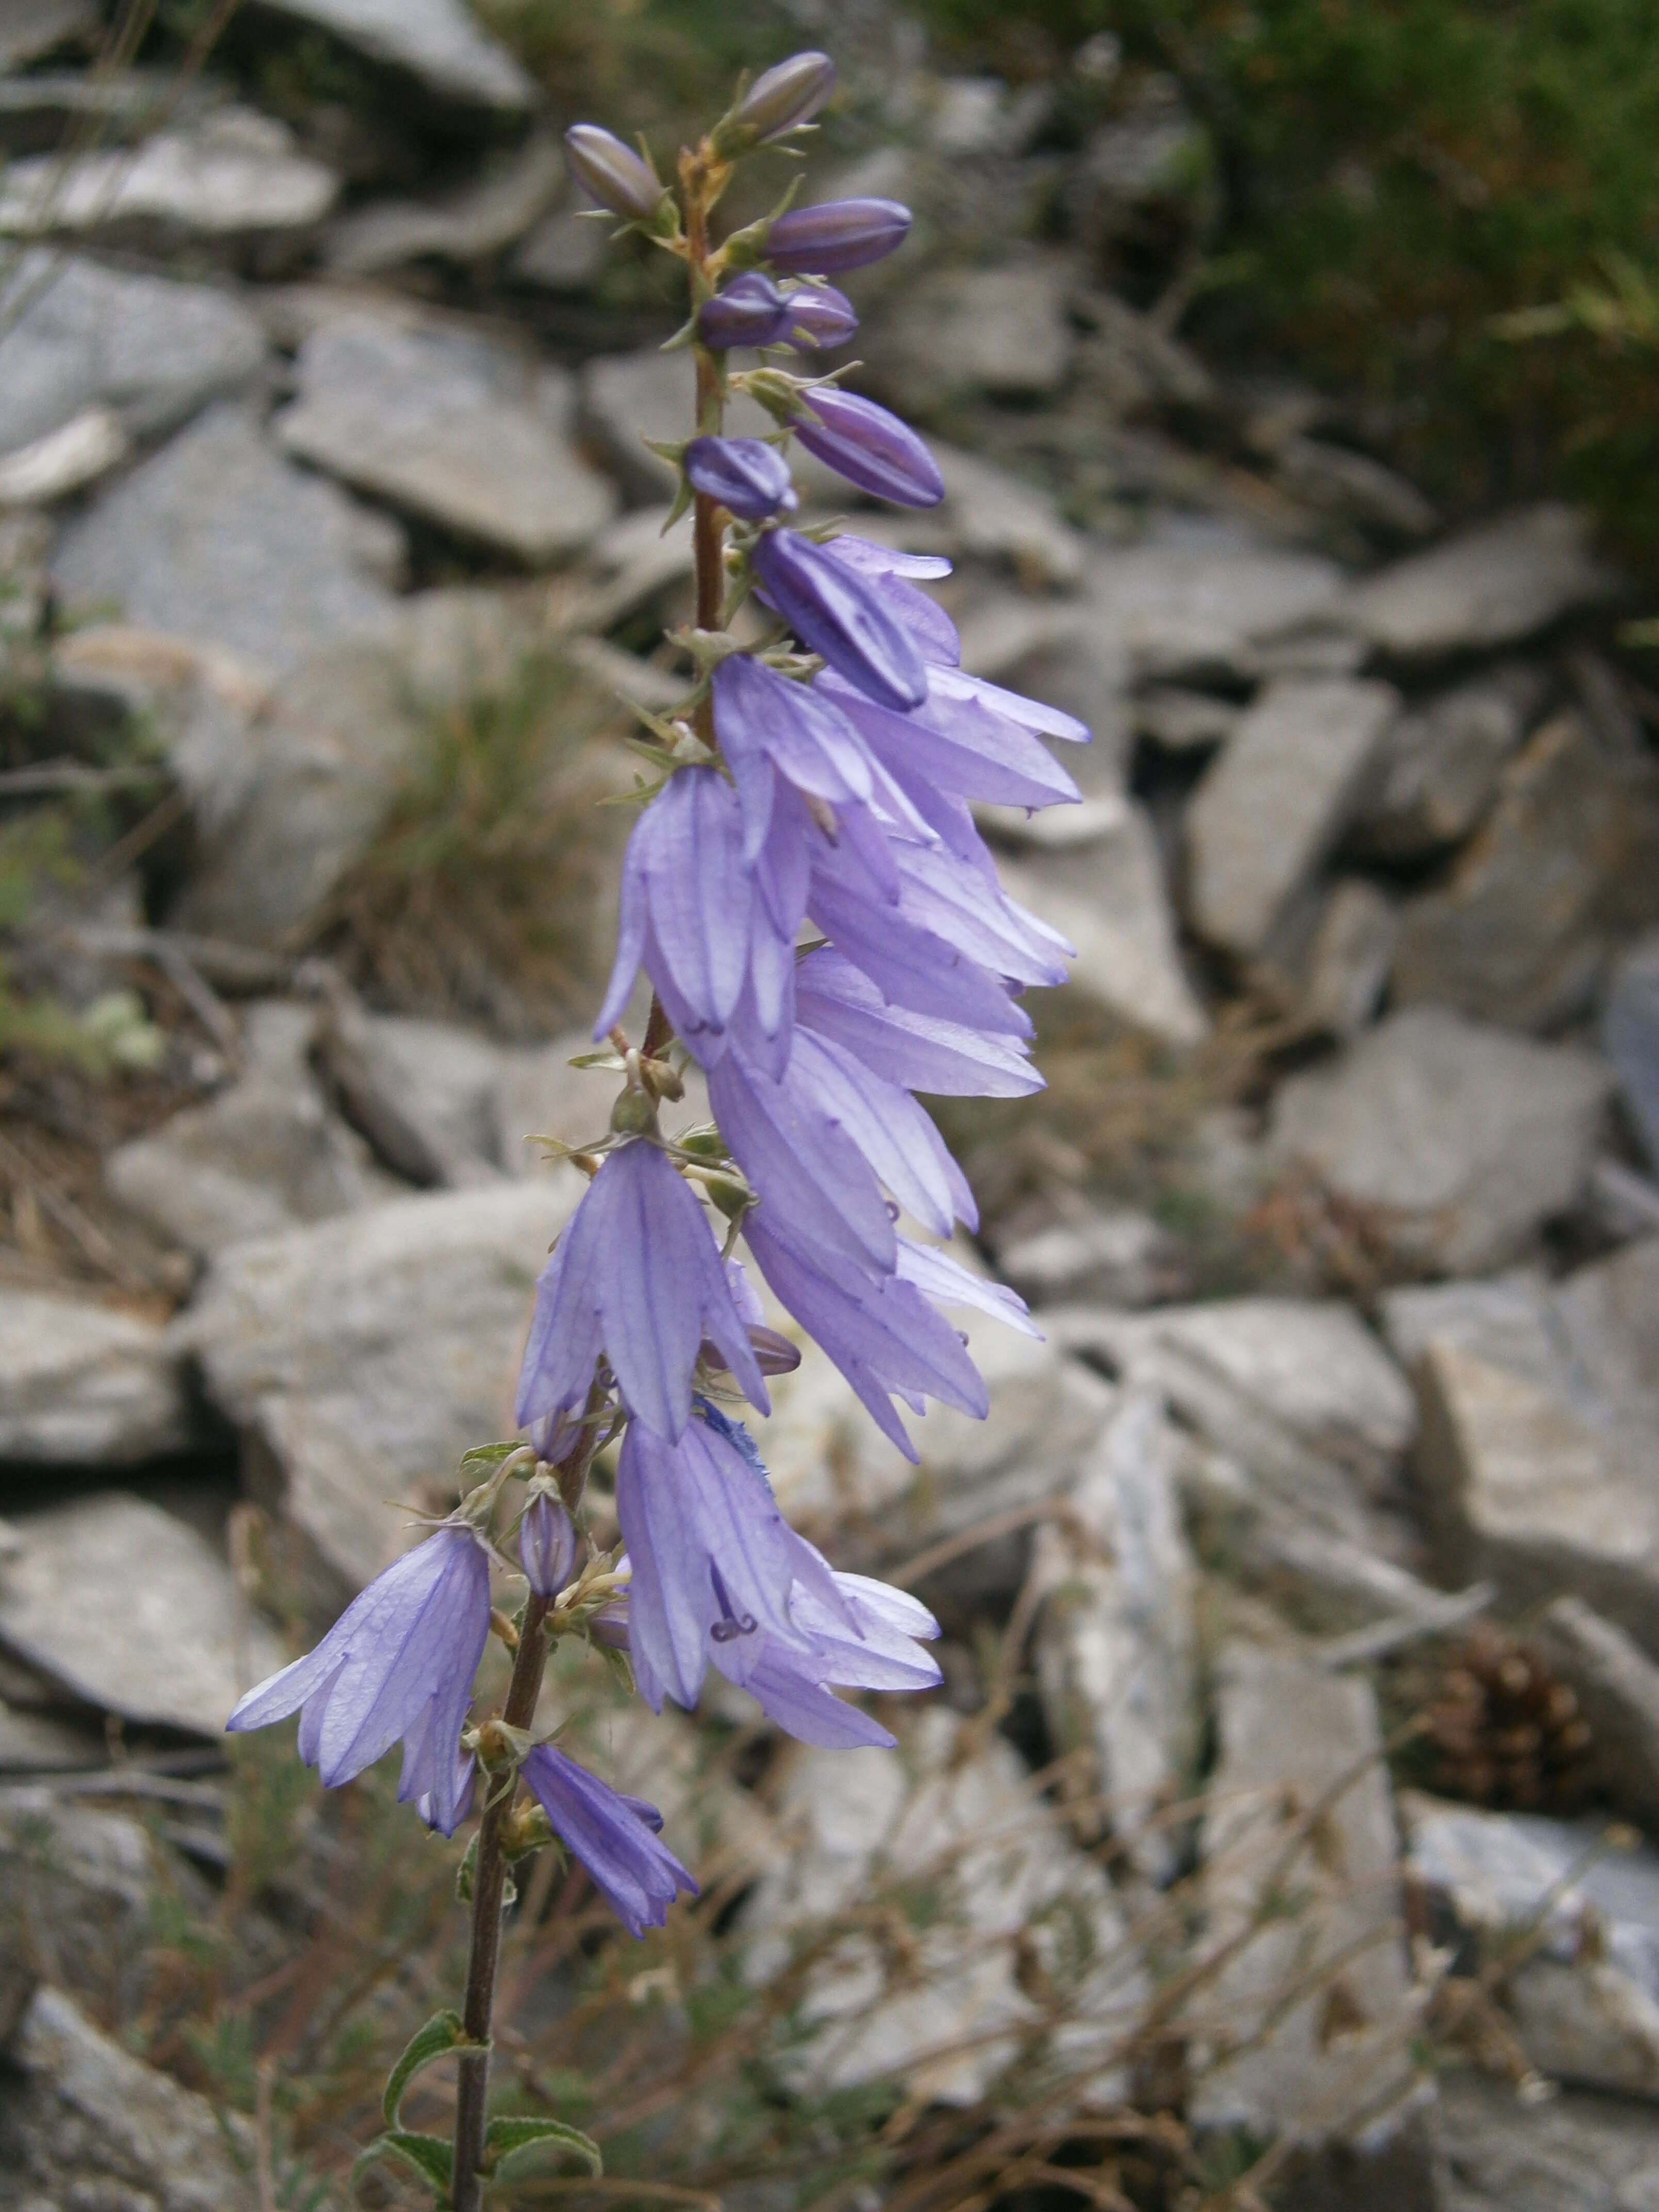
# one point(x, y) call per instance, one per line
point(1565, 869)
point(1273, 805)
point(461, 434)
point(176, 1645)
point(439, 42)
point(1488, 588)
point(467, 226)
point(149, 349)
point(216, 538)
point(1189, 601)
point(83, 1386)
point(82, 2122)
point(1003, 331)
point(360, 1358)
point(233, 175)
point(1630, 1033)
point(1576, 2152)
point(32, 28)
point(1459, 1140)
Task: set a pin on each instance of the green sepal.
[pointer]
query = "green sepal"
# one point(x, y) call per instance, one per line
point(616, 1665)
point(432, 2158)
point(442, 2033)
point(506, 2140)
point(491, 1454)
point(468, 1867)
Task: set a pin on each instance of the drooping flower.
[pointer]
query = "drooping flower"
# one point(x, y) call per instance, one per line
point(868, 445)
point(920, 1052)
point(819, 316)
point(636, 1277)
point(954, 744)
point(613, 175)
point(934, 634)
point(750, 311)
point(397, 1665)
point(613, 1836)
point(836, 612)
point(867, 1640)
point(818, 242)
point(546, 1545)
point(709, 1555)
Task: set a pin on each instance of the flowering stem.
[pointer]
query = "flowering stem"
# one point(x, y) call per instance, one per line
point(473, 2081)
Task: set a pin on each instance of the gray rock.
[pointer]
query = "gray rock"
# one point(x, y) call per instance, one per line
point(1620, 1203)
point(80, 1888)
point(150, 350)
point(361, 1357)
point(1459, 1140)
point(1439, 767)
point(989, 515)
point(1585, 2003)
point(1109, 900)
point(231, 175)
point(83, 1385)
point(177, 1644)
point(1503, 2151)
point(87, 447)
point(1188, 602)
point(1117, 1643)
point(1120, 1257)
point(36, 1743)
point(1335, 480)
point(1610, 1312)
point(1617, 1687)
point(469, 227)
point(450, 1076)
point(563, 253)
point(1630, 1033)
point(1276, 802)
point(440, 43)
point(1298, 1389)
point(31, 28)
point(1488, 588)
point(627, 398)
point(1184, 721)
point(1127, 365)
point(265, 1154)
point(1002, 332)
point(957, 1813)
point(294, 804)
point(459, 434)
point(217, 539)
point(89, 2125)
point(1347, 962)
point(1333, 2072)
point(1509, 1320)
point(1567, 864)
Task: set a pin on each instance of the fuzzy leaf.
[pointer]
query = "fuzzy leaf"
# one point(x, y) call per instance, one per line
point(430, 2156)
point(508, 2139)
point(442, 2033)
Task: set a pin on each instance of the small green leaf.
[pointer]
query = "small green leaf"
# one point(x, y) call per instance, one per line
point(442, 2033)
point(467, 1868)
point(509, 2138)
point(490, 1454)
point(429, 2155)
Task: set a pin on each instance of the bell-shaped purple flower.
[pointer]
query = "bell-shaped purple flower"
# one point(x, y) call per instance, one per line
point(613, 175)
point(918, 1051)
point(948, 1283)
point(695, 917)
point(762, 718)
point(817, 241)
point(836, 612)
point(868, 1639)
point(801, 1164)
point(780, 100)
point(635, 1276)
point(546, 1545)
point(747, 475)
point(709, 1555)
point(955, 743)
point(750, 311)
point(774, 1353)
point(868, 445)
point(819, 316)
point(613, 1836)
point(397, 1665)
point(935, 634)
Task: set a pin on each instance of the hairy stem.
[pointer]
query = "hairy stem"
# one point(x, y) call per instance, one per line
point(473, 2081)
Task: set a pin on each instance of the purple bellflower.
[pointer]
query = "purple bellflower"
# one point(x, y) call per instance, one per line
point(397, 1665)
point(750, 311)
point(748, 477)
point(614, 1836)
point(836, 612)
point(636, 1277)
point(819, 316)
point(774, 1353)
point(919, 1052)
point(867, 1641)
point(869, 446)
point(818, 242)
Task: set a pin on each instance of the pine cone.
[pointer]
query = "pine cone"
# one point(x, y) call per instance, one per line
point(1506, 1732)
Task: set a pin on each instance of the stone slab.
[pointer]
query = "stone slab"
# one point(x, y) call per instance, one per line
point(81, 1385)
point(440, 43)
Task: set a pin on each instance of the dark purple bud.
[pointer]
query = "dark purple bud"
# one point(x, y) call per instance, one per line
point(817, 241)
point(779, 100)
point(751, 312)
point(747, 475)
point(613, 175)
point(869, 446)
point(836, 612)
point(820, 316)
point(546, 1545)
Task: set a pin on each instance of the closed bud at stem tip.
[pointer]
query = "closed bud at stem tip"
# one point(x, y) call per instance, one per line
point(779, 100)
point(615, 176)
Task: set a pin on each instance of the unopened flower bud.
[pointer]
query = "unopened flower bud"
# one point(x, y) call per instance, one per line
point(747, 476)
point(868, 445)
point(634, 1115)
point(546, 1545)
point(817, 241)
point(751, 312)
point(779, 100)
point(820, 316)
point(614, 175)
